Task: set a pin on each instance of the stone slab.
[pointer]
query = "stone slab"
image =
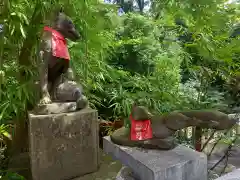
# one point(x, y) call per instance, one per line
point(54, 108)
point(63, 146)
point(180, 163)
point(234, 175)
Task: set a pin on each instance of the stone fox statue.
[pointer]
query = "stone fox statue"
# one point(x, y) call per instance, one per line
point(54, 65)
point(164, 127)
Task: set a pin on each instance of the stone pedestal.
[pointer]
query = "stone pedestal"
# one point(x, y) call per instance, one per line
point(63, 146)
point(180, 163)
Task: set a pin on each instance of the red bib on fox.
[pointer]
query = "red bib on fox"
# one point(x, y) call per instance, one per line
point(59, 44)
point(140, 130)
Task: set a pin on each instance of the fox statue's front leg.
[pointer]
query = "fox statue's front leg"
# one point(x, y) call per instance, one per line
point(44, 54)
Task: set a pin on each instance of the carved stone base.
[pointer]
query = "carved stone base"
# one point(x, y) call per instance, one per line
point(180, 163)
point(63, 146)
point(55, 108)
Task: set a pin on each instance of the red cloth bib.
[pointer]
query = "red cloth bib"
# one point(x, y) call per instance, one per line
point(140, 130)
point(59, 44)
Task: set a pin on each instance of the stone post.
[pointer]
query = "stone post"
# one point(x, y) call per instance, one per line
point(63, 146)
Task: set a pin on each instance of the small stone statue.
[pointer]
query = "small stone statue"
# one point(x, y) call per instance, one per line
point(59, 92)
point(163, 127)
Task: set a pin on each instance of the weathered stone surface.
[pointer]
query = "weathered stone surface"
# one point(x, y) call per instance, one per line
point(55, 108)
point(125, 174)
point(180, 163)
point(66, 91)
point(63, 146)
point(235, 175)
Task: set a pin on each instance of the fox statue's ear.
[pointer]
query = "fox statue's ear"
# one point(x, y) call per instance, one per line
point(59, 11)
point(134, 104)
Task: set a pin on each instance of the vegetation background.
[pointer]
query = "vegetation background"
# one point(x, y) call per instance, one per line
point(167, 54)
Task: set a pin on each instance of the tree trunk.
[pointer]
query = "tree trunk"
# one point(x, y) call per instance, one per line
point(20, 138)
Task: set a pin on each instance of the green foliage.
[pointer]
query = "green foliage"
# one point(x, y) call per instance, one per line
point(23, 22)
point(120, 60)
point(11, 176)
point(194, 96)
point(210, 24)
point(136, 66)
point(137, 45)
